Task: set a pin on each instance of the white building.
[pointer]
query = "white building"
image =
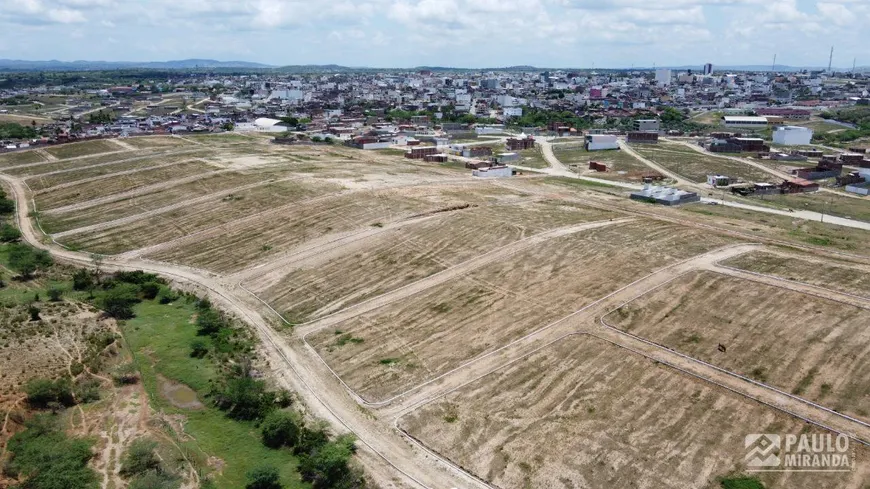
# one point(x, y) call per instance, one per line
point(513, 112)
point(595, 142)
point(263, 124)
point(744, 121)
point(663, 76)
point(792, 135)
point(493, 172)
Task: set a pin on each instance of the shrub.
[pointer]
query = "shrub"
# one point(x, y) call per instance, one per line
point(281, 429)
point(34, 313)
point(9, 233)
point(263, 478)
point(55, 294)
point(119, 300)
point(209, 322)
point(7, 206)
point(26, 260)
point(83, 280)
point(149, 290)
point(166, 295)
point(329, 466)
point(244, 398)
point(311, 439)
point(140, 458)
point(45, 457)
point(125, 374)
point(155, 479)
point(198, 348)
point(43, 393)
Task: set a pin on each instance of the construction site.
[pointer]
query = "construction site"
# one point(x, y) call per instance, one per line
point(565, 327)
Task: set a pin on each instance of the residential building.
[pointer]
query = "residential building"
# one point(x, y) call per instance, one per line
point(595, 142)
point(647, 125)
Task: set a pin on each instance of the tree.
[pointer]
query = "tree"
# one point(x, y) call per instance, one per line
point(150, 290)
point(41, 393)
point(9, 233)
point(244, 398)
point(83, 280)
point(26, 260)
point(265, 477)
point(281, 429)
point(34, 313)
point(118, 301)
point(209, 322)
point(328, 467)
point(46, 458)
point(7, 206)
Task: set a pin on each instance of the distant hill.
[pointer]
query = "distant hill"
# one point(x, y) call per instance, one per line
point(55, 65)
point(189, 64)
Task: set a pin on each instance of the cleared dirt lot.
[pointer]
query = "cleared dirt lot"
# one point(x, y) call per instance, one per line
point(280, 229)
point(401, 345)
point(839, 276)
point(81, 149)
point(620, 165)
point(409, 253)
point(806, 345)
point(156, 142)
point(163, 196)
point(586, 414)
point(696, 166)
point(111, 184)
point(21, 158)
point(187, 220)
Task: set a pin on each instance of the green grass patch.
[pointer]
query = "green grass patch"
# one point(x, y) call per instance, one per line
point(741, 483)
point(160, 337)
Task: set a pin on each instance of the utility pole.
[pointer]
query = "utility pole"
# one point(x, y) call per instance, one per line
point(831, 59)
point(773, 66)
point(854, 60)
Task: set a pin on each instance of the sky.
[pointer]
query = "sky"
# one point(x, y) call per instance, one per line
point(456, 33)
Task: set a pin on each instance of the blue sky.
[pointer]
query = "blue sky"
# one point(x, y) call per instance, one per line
point(464, 33)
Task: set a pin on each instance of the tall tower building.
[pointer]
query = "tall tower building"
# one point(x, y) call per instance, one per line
point(708, 69)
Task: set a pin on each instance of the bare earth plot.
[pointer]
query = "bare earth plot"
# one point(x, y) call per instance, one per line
point(835, 238)
point(21, 158)
point(280, 229)
point(106, 185)
point(188, 220)
point(840, 276)
point(81, 149)
point(584, 413)
point(823, 202)
point(149, 142)
point(165, 195)
point(620, 165)
point(406, 254)
point(696, 166)
point(806, 345)
point(44, 181)
point(401, 345)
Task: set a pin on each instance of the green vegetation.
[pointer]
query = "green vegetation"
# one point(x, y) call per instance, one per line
point(13, 130)
point(48, 459)
point(46, 393)
point(27, 261)
point(859, 116)
point(265, 477)
point(143, 468)
point(741, 483)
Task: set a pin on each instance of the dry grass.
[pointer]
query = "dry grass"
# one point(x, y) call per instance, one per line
point(620, 165)
point(585, 413)
point(442, 327)
point(21, 158)
point(802, 344)
point(112, 184)
point(163, 196)
point(824, 202)
point(256, 240)
point(408, 254)
point(42, 182)
point(187, 220)
point(72, 150)
point(696, 166)
point(840, 276)
point(156, 142)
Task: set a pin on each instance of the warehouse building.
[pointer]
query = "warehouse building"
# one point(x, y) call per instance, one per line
point(664, 195)
point(493, 172)
point(744, 121)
